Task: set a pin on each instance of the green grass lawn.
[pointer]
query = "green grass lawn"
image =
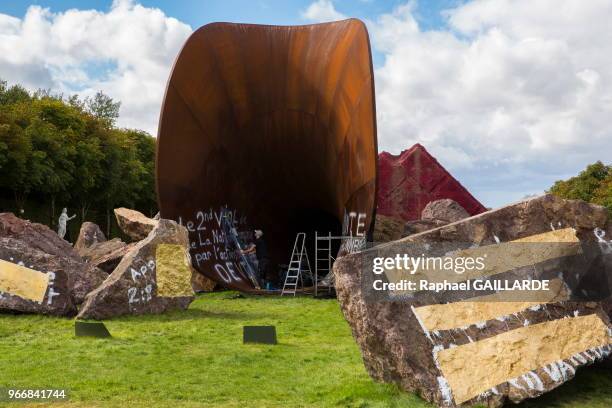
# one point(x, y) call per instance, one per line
point(196, 358)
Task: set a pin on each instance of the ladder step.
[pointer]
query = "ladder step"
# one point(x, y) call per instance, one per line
point(298, 264)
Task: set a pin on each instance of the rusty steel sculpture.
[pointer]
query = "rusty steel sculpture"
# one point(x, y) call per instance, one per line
point(274, 125)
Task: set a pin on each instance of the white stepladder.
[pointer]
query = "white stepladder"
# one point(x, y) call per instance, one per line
point(323, 258)
point(297, 266)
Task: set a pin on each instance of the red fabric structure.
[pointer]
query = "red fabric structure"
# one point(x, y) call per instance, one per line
point(409, 181)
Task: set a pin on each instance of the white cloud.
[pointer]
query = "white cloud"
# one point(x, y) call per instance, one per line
point(321, 11)
point(126, 52)
point(512, 96)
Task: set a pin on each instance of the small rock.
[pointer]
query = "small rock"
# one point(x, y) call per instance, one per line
point(134, 223)
point(445, 210)
point(153, 277)
point(89, 235)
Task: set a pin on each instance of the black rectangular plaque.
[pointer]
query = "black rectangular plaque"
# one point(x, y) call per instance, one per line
point(259, 334)
point(91, 329)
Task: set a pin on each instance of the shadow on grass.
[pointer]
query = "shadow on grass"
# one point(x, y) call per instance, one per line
point(592, 387)
point(192, 314)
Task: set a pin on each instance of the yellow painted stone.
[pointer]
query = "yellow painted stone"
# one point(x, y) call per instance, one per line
point(23, 282)
point(501, 257)
point(173, 271)
point(482, 308)
point(473, 368)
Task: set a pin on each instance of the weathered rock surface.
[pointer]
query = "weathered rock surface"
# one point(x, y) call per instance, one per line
point(134, 223)
point(435, 214)
point(34, 235)
point(152, 278)
point(89, 235)
point(106, 255)
point(463, 353)
point(201, 283)
point(32, 281)
point(407, 182)
point(83, 277)
point(387, 229)
point(418, 226)
point(446, 210)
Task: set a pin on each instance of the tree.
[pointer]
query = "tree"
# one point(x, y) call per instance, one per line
point(54, 149)
point(15, 172)
point(603, 194)
point(145, 151)
point(15, 175)
point(12, 95)
point(122, 172)
point(88, 167)
point(61, 115)
point(52, 133)
point(103, 107)
point(594, 185)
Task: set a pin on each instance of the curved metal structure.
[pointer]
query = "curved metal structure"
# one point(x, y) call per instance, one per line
point(278, 124)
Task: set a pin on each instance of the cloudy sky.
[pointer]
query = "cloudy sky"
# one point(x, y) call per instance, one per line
point(509, 95)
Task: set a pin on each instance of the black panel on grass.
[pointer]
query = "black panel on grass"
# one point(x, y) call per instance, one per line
point(259, 334)
point(90, 329)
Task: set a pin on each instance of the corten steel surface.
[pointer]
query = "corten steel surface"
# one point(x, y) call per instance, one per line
point(276, 122)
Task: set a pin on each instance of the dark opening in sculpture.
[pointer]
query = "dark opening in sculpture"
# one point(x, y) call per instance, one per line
point(278, 124)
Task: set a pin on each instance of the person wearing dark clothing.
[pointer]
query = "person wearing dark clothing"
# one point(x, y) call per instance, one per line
point(260, 249)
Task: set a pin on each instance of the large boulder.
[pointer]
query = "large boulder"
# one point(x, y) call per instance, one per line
point(134, 223)
point(462, 348)
point(152, 278)
point(32, 281)
point(89, 235)
point(106, 255)
point(83, 277)
point(445, 210)
point(34, 235)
